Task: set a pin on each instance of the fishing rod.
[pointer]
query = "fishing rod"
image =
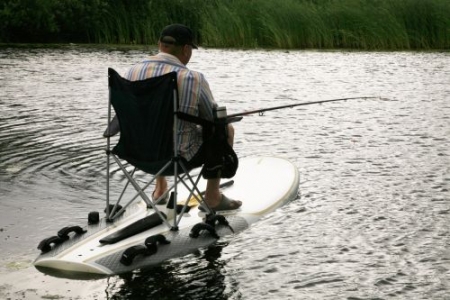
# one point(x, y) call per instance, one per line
point(261, 111)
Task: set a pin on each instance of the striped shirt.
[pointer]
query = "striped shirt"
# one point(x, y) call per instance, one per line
point(195, 96)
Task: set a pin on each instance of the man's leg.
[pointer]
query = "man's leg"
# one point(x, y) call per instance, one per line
point(230, 135)
point(160, 187)
point(213, 197)
point(212, 193)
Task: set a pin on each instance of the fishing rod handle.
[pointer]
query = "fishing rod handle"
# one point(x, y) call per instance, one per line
point(220, 112)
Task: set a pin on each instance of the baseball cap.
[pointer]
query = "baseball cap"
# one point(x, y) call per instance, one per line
point(177, 34)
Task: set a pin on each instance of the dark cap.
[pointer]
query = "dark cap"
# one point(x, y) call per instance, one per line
point(177, 34)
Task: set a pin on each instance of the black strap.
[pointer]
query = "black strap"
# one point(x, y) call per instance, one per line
point(64, 232)
point(152, 242)
point(195, 231)
point(214, 220)
point(150, 248)
point(46, 244)
point(63, 235)
point(129, 254)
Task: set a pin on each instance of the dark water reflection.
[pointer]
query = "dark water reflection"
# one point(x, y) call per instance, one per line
point(198, 276)
point(372, 221)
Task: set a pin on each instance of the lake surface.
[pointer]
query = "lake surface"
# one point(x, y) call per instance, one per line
point(373, 217)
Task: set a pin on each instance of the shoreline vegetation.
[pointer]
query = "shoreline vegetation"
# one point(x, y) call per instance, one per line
point(287, 24)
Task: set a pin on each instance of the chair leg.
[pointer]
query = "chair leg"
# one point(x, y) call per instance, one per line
point(195, 188)
point(140, 191)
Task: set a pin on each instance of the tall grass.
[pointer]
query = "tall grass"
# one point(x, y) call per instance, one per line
point(426, 23)
point(297, 24)
point(363, 25)
point(358, 24)
point(223, 24)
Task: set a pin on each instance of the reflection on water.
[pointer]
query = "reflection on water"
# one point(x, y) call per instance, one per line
point(197, 276)
point(372, 219)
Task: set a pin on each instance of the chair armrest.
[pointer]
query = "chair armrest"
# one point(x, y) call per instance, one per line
point(204, 122)
point(234, 119)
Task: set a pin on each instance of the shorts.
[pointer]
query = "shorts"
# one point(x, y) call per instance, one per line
point(197, 160)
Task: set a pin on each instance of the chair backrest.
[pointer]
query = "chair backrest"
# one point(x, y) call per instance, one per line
point(145, 110)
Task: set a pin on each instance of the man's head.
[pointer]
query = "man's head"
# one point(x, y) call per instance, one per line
point(178, 40)
point(177, 34)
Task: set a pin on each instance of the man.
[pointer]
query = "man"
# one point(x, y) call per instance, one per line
point(175, 50)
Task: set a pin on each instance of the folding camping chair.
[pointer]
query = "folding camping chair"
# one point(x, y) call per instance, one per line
point(147, 117)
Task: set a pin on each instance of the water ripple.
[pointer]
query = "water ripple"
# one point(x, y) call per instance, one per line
point(371, 221)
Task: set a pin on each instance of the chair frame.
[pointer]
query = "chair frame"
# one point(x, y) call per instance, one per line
point(114, 211)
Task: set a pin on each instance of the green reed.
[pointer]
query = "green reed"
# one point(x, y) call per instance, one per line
point(319, 24)
point(359, 24)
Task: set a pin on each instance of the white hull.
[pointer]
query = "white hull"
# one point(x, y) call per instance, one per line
point(262, 183)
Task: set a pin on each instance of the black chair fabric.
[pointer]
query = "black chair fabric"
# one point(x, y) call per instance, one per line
point(145, 110)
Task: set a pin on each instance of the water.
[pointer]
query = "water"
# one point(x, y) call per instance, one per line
point(372, 221)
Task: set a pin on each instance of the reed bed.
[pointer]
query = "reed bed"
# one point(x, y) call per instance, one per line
point(320, 24)
point(290, 24)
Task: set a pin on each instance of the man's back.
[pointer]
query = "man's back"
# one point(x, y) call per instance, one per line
point(195, 97)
